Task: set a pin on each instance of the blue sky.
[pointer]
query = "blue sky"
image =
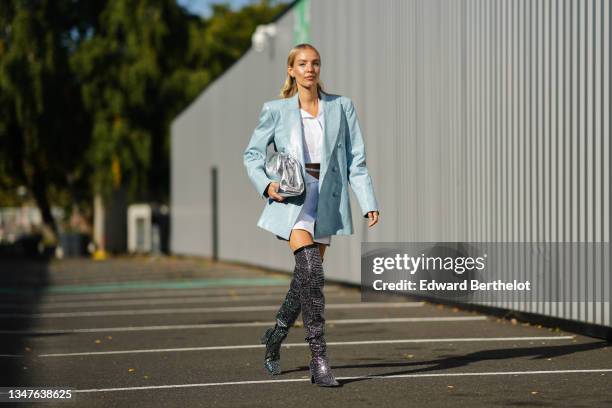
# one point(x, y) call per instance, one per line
point(202, 7)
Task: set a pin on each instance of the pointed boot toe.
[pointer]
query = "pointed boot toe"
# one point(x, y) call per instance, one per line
point(273, 338)
point(272, 367)
point(321, 374)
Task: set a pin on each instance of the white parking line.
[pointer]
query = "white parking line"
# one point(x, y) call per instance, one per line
point(204, 310)
point(150, 302)
point(242, 324)
point(331, 343)
point(11, 355)
point(380, 377)
point(143, 293)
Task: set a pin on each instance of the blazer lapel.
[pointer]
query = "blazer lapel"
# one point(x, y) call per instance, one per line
point(331, 111)
point(296, 142)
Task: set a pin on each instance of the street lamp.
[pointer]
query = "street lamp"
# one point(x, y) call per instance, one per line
point(264, 34)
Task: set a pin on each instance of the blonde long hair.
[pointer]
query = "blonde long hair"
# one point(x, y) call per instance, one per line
point(290, 86)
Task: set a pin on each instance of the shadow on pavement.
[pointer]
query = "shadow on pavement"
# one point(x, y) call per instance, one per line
point(22, 284)
point(455, 361)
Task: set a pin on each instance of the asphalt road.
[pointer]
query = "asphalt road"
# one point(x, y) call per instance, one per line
point(176, 332)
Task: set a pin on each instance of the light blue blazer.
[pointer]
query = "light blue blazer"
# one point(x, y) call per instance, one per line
point(343, 162)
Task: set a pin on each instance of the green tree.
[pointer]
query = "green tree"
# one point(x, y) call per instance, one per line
point(42, 125)
point(145, 62)
point(120, 67)
point(88, 89)
point(227, 34)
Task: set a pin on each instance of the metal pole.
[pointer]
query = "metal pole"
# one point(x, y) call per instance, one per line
point(215, 216)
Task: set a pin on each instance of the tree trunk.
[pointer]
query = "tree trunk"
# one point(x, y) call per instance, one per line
point(99, 232)
point(39, 190)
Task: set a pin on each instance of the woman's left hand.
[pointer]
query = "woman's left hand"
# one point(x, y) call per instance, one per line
point(373, 216)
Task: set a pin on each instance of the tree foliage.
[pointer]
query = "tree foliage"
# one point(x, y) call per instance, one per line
point(43, 127)
point(88, 89)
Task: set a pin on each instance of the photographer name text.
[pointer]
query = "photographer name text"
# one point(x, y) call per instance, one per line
point(433, 285)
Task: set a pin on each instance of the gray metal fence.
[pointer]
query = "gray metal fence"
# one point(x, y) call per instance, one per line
point(484, 120)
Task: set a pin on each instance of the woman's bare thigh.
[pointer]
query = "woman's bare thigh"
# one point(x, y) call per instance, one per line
point(300, 238)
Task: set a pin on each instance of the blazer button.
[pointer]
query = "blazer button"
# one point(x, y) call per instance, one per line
point(339, 144)
point(334, 169)
point(335, 194)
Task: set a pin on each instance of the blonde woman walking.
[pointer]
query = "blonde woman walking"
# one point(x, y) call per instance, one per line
point(320, 130)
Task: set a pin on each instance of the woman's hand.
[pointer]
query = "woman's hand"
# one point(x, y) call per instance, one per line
point(272, 192)
point(373, 216)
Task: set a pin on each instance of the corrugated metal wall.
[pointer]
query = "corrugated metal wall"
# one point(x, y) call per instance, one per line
point(484, 120)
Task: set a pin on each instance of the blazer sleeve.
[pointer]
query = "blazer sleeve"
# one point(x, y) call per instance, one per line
point(254, 156)
point(358, 176)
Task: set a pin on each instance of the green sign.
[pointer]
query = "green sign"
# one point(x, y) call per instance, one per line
point(301, 27)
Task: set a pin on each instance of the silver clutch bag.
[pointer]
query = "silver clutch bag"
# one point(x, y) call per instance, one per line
point(287, 171)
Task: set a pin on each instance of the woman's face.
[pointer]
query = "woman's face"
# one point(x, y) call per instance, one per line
point(306, 68)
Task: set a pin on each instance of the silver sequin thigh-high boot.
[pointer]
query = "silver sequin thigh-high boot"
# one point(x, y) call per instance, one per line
point(285, 318)
point(309, 270)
